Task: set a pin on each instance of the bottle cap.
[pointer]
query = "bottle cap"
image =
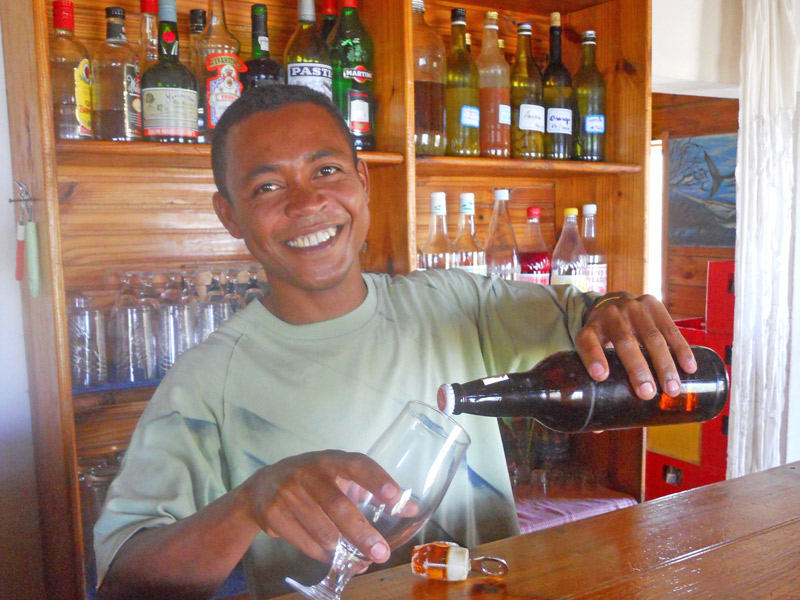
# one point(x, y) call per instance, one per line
point(306, 11)
point(501, 194)
point(258, 9)
point(148, 6)
point(571, 212)
point(524, 29)
point(555, 19)
point(197, 16)
point(491, 14)
point(458, 16)
point(350, 3)
point(328, 7)
point(458, 566)
point(115, 12)
point(534, 212)
point(466, 203)
point(589, 210)
point(63, 16)
point(167, 11)
point(446, 399)
point(589, 37)
point(438, 203)
point(418, 6)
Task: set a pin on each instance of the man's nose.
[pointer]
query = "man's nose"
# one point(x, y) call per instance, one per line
point(304, 201)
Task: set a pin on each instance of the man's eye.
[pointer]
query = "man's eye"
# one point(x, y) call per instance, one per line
point(265, 188)
point(329, 170)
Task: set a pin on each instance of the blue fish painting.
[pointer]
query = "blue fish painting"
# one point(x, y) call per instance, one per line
point(702, 191)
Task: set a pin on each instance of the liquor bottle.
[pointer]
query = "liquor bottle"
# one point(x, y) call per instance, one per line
point(197, 24)
point(262, 70)
point(328, 19)
point(148, 34)
point(502, 259)
point(462, 115)
point(494, 79)
point(169, 90)
point(220, 85)
point(557, 98)
point(116, 96)
point(534, 259)
point(568, 265)
point(430, 74)
point(306, 56)
point(352, 57)
point(590, 99)
point(596, 263)
point(437, 252)
point(561, 395)
point(527, 103)
point(469, 253)
point(70, 75)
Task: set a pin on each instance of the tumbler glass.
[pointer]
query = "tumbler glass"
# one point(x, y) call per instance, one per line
point(87, 342)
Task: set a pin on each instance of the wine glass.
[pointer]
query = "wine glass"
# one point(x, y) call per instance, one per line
point(421, 451)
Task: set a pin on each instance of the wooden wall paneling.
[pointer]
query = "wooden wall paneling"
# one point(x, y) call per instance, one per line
point(686, 116)
point(30, 112)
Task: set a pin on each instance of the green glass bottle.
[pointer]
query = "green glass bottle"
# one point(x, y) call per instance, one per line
point(352, 57)
point(590, 98)
point(306, 57)
point(558, 99)
point(169, 90)
point(527, 102)
point(262, 70)
point(462, 99)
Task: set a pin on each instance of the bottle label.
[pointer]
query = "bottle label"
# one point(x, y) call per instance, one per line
point(263, 43)
point(170, 112)
point(358, 119)
point(597, 278)
point(579, 281)
point(559, 120)
point(531, 117)
point(133, 101)
point(470, 116)
point(595, 124)
point(496, 379)
point(540, 278)
point(223, 87)
point(83, 98)
point(359, 73)
point(504, 114)
point(316, 76)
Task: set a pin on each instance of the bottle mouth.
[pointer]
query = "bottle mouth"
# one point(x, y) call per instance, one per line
point(446, 399)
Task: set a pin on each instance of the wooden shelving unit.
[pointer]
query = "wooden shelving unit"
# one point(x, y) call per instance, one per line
point(105, 207)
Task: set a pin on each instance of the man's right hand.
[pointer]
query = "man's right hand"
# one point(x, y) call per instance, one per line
point(301, 499)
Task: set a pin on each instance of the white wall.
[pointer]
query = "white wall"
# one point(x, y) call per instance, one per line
point(20, 554)
point(696, 46)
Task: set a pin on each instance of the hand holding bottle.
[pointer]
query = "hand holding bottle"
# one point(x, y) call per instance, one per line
point(625, 321)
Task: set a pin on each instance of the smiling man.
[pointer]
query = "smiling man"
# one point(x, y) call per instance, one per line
point(246, 445)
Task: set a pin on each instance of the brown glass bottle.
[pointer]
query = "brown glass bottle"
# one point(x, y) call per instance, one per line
point(559, 393)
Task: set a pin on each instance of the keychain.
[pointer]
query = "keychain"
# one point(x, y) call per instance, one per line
point(450, 562)
point(27, 240)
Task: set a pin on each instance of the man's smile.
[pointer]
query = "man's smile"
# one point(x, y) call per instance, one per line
point(314, 239)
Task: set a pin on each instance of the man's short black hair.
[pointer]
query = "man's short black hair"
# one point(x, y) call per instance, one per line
point(256, 100)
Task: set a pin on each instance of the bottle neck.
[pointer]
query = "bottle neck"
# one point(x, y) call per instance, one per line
point(588, 227)
point(466, 222)
point(523, 48)
point(216, 14)
point(589, 54)
point(260, 39)
point(115, 30)
point(168, 48)
point(555, 45)
point(438, 225)
point(61, 32)
point(458, 39)
point(570, 223)
point(489, 42)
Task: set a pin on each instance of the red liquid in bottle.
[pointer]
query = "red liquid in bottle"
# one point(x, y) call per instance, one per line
point(535, 267)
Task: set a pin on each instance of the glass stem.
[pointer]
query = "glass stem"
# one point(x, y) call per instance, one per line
point(346, 561)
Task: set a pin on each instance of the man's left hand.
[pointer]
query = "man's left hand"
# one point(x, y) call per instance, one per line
point(626, 322)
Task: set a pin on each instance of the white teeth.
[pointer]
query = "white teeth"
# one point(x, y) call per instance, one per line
point(314, 239)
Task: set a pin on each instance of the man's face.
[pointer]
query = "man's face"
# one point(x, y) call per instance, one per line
point(298, 201)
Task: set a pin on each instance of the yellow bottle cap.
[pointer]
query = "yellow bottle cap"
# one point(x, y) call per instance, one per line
point(555, 19)
point(491, 14)
point(571, 212)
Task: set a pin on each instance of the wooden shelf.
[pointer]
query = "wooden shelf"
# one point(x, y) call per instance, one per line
point(526, 6)
point(492, 167)
point(156, 155)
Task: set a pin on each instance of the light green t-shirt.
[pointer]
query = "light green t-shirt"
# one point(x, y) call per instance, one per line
point(260, 390)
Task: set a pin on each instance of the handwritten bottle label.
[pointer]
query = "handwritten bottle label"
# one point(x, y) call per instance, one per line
point(531, 117)
point(595, 124)
point(504, 114)
point(470, 116)
point(559, 120)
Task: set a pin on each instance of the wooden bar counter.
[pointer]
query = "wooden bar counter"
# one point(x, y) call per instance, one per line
point(734, 539)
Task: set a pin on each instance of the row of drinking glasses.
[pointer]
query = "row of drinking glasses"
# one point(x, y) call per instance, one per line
point(147, 331)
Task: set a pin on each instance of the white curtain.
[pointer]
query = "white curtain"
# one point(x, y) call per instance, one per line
point(765, 236)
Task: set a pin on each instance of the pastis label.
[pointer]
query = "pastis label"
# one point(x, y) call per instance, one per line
point(317, 76)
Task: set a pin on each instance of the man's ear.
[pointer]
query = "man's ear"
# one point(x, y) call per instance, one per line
point(225, 214)
point(363, 175)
